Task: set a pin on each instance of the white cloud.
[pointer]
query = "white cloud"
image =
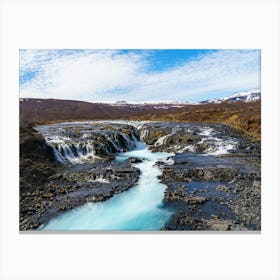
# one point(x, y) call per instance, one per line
point(111, 75)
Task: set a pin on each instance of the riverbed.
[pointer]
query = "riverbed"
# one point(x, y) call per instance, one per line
point(142, 176)
point(139, 208)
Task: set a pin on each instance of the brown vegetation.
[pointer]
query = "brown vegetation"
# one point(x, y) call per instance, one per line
point(245, 117)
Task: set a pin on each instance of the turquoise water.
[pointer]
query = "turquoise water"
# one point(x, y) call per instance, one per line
point(139, 208)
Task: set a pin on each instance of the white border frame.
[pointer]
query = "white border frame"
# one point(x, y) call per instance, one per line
point(132, 24)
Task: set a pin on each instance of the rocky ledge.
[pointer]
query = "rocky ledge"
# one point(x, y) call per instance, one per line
point(223, 196)
point(178, 137)
point(213, 180)
point(74, 187)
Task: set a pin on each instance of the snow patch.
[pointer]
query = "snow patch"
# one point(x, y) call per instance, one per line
point(245, 96)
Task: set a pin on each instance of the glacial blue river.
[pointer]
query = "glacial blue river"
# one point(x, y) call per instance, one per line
point(139, 208)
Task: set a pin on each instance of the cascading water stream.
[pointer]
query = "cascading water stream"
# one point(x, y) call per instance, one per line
point(139, 208)
point(81, 146)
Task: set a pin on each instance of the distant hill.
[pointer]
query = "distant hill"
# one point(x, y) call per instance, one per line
point(41, 110)
point(245, 116)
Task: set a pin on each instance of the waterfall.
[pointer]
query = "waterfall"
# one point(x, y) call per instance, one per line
point(139, 208)
point(78, 143)
point(71, 152)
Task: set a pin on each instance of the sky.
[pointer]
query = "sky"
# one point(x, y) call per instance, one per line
point(137, 75)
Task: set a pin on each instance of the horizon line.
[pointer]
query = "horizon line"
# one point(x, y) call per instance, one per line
point(120, 102)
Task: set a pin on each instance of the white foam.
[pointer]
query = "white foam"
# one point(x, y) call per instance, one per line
point(206, 131)
point(221, 147)
point(160, 140)
point(85, 135)
point(168, 161)
point(57, 139)
point(64, 154)
point(101, 179)
point(189, 148)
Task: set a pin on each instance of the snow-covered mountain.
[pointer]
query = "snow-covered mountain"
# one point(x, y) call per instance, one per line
point(141, 103)
point(165, 104)
point(245, 96)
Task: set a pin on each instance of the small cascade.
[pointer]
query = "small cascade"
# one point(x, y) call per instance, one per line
point(205, 139)
point(71, 152)
point(143, 134)
point(130, 143)
point(78, 143)
point(139, 208)
point(162, 140)
point(83, 142)
point(216, 144)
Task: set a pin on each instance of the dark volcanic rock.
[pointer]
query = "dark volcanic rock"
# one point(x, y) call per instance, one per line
point(37, 164)
point(48, 188)
point(218, 224)
point(182, 174)
point(216, 193)
point(33, 145)
point(195, 137)
point(73, 188)
point(134, 160)
point(206, 192)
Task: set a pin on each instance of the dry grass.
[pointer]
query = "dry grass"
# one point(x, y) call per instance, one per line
point(245, 117)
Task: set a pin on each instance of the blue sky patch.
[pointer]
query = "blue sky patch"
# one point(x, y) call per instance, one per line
point(137, 75)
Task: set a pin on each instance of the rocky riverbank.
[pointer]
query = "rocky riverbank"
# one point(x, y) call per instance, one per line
point(71, 188)
point(213, 181)
point(214, 198)
point(48, 187)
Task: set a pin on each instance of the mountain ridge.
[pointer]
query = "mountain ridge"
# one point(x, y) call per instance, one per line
point(243, 96)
